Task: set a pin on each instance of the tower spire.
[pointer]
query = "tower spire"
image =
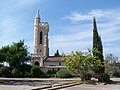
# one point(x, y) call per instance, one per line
point(37, 14)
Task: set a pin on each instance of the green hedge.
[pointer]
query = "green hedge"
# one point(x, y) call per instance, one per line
point(16, 73)
point(36, 72)
point(52, 73)
point(116, 73)
point(63, 73)
point(104, 77)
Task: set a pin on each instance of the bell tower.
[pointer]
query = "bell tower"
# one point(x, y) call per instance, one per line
point(41, 30)
point(41, 47)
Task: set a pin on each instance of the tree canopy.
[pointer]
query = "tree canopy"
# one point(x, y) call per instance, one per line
point(97, 45)
point(15, 54)
point(81, 63)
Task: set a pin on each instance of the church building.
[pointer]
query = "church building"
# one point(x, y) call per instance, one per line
point(41, 47)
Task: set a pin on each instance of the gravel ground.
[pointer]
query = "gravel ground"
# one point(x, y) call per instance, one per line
point(32, 83)
point(114, 86)
point(29, 83)
point(17, 87)
point(93, 87)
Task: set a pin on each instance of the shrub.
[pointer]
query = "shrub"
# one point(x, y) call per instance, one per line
point(63, 73)
point(36, 72)
point(116, 73)
point(104, 77)
point(51, 73)
point(26, 70)
point(88, 76)
point(16, 73)
point(1, 65)
point(4, 71)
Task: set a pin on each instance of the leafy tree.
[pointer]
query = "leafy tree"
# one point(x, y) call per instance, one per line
point(111, 58)
point(97, 45)
point(111, 63)
point(57, 53)
point(17, 54)
point(3, 53)
point(81, 63)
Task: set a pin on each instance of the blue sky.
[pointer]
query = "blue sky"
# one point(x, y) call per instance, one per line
point(70, 23)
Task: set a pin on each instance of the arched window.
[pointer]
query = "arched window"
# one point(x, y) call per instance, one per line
point(37, 63)
point(41, 37)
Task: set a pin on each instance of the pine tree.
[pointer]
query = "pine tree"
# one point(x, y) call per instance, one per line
point(97, 45)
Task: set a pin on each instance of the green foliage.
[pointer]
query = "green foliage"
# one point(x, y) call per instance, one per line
point(36, 72)
point(111, 64)
point(51, 73)
point(16, 73)
point(97, 45)
point(17, 54)
point(1, 65)
point(14, 54)
point(63, 73)
point(116, 73)
point(3, 53)
point(26, 69)
point(88, 76)
point(104, 77)
point(111, 58)
point(80, 63)
point(57, 53)
point(4, 71)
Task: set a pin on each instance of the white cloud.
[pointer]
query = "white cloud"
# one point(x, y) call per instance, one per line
point(76, 16)
point(79, 36)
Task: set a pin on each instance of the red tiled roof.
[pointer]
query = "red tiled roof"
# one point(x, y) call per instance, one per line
point(55, 59)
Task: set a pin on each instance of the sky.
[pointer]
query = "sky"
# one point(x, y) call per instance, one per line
point(70, 21)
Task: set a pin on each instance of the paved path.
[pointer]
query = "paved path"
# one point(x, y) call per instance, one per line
point(93, 87)
point(25, 83)
point(17, 87)
point(115, 86)
point(40, 79)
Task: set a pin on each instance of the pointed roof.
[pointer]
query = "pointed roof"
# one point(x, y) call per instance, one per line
point(37, 14)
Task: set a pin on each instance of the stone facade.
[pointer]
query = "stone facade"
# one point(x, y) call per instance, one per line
point(41, 30)
point(41, 46)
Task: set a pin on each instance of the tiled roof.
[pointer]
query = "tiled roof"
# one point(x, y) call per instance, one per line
point(54, 58)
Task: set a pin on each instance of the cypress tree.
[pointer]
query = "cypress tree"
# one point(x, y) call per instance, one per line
point(57, 53)
point(97, 45)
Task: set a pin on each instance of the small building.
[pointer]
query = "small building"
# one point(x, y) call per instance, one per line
point(41, 47)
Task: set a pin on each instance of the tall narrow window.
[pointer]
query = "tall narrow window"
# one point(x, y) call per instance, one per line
point(40, 37)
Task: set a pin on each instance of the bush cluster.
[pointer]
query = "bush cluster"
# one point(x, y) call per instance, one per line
point(116, 74)
point(104, 77)
point(88, 76)
point(16, 73)
point(4, 71)
point(52, 73)
point(36, 72)
point(63, 73)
